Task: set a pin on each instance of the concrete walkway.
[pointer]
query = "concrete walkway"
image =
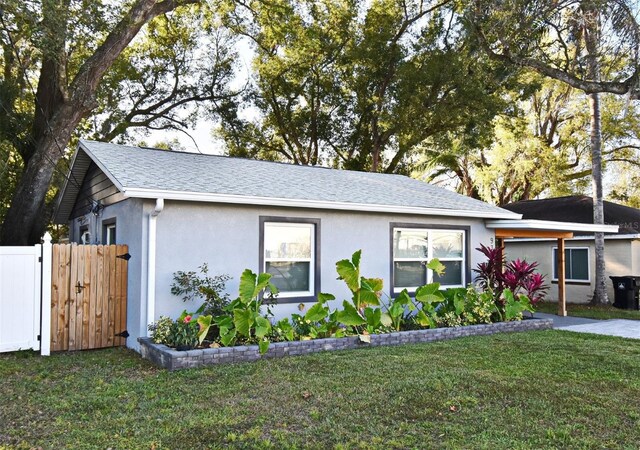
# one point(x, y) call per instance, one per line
point(612, 327)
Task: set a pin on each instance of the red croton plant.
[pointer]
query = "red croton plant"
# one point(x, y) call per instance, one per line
point(519, 276)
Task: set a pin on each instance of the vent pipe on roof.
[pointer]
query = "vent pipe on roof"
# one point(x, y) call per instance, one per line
point(151, 263)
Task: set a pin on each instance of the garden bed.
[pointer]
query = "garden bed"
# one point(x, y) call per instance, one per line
point(172, 360)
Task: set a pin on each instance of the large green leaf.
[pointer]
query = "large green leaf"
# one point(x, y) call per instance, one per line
point(205, 323)
point(323, 297)
point(385, 320)
point(228, 338)
point(373, 317)
point(317, 313)
point(355, 258)
point(436, 266)
point(374, 284)
point(247, 286)
point(368, 298)
point(243, 319)
point(425, 320)
point(349, 273)
point(263, 326)
point(429, 293)
point(263, 345)
point(286, 329)
point(262, 283)
point(349, 316)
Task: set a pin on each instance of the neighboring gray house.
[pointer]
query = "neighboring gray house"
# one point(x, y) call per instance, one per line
point(177, 210)
point(622, 249)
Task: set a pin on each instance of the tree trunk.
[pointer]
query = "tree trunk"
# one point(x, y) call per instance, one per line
point(23, 223)
point(591, 39)
point(600, 291)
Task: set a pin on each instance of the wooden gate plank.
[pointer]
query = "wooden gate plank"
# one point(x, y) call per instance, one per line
point(55, 279)
point(121, 296)
point(79, 296)
point(104, 335)
point(73, 296)
point(111, 297)
point(99, 297)
point(63, 318)
point(93, 294)
point(86, 298)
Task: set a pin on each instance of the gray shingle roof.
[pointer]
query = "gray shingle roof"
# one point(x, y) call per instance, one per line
point(134, 168)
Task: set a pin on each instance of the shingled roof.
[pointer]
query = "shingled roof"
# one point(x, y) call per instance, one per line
point(153, 173)
point(578, 209)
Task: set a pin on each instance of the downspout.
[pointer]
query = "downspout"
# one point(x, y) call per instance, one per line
point(151, 262)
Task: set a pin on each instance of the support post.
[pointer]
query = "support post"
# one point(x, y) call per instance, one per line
point(45, 297)
point(562, 305)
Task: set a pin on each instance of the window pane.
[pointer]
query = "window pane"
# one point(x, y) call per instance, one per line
point(287, 241)
point(579, 264)
point(409, 274)
point(452, 274)
point(290, 276)
point(447, 244)
point(555, 263)
point(410, 244)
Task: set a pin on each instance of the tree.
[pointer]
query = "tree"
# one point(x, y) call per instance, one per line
point(68, 48)
point(357, 85)
point(578, 43)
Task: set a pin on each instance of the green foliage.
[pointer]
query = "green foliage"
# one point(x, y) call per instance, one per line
point(515, 306)
point(161, 329)
point(243, 319)
point(192, 285)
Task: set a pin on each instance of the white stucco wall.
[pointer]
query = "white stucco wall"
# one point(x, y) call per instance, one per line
point(227, 238)
point(622, 257)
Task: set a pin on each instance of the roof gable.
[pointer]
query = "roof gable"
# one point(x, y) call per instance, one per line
point(152, 173)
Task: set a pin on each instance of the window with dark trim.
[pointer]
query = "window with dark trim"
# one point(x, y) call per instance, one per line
point(109, 232)
point(290, 252)
point(413, 246)
point(576, 264)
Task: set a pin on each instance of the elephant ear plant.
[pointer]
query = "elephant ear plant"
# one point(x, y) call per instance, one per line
point(365, 292)
point(243, 319)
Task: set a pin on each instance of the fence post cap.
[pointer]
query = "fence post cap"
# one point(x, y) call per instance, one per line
point(46, 239)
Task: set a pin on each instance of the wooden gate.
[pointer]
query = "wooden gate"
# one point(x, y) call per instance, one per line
point(88, 296)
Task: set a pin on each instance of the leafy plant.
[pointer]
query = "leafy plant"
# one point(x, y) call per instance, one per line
point(520, 277)
point(211, 289)
point(319, 321)
point(243, 318)
point(161, 330)
point(515, 305)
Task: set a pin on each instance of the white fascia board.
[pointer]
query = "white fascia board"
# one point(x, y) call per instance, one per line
point(311, 204)
point(614, 237)
point(547, 225)
point(102, 167)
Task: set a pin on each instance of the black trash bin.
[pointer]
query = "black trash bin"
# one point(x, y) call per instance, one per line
point(626, 292)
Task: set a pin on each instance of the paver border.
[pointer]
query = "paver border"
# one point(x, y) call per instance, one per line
point(171, 359)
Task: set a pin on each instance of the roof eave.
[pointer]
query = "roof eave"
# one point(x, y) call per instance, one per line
point(313, 204)
point(530, 224)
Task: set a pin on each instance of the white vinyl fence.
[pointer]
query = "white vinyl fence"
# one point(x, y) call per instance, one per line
point(22, 318)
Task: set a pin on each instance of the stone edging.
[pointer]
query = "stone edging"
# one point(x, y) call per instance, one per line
point(171, 359)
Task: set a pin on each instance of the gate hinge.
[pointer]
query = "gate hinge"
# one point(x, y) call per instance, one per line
point(39, 338)
point(39, 258)
point(124, 334)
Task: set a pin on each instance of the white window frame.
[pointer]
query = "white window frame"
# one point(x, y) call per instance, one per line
point(429, 231)
point(107, 227)
point(311, 260)
point(554, 251)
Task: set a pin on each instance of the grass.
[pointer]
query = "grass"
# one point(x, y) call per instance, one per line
point(590, 311)
point(545, 389)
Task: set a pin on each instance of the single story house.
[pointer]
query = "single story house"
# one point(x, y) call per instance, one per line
point(177, 210)
point(622, 249)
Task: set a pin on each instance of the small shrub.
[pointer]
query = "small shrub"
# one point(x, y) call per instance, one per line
point(161, 330)
point(211, 289)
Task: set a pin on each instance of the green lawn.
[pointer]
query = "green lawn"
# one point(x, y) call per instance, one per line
point(589, 311)
point(545, 389)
